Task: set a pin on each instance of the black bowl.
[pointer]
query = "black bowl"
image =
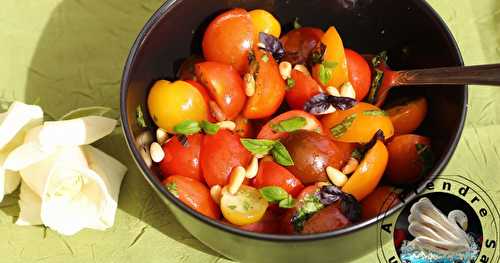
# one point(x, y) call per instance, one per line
point(410, 30)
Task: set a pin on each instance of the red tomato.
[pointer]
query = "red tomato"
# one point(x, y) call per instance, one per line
point(182, 160)
point(359, 73)
point(270, 223)
point(327, 219)
point(378, 202)
point(244, 127)
point(299, 43)
point(312, 124)
point(220, 153)
point(224, 85)
point(273, 174)
point(269, 88)
point(229, 38)
point(194, 194)
point(204, 93)
point(305, 87)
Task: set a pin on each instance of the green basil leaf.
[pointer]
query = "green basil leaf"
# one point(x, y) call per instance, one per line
point(172, 188)
point(258, 146)
point(324, 74)
point(296, 24)
point(329, 64)
point(311, 204)
point(376, 82)
point(265, 58)
point(289, 125)
point(287, 202)
point(187, 127)
point(209, 128)
point(374, 113)
point(290, 83)
point(273, 193)
point(139, 116)
point(341, 128)
point(281, 154)
point(379, 59)
point(88, 111)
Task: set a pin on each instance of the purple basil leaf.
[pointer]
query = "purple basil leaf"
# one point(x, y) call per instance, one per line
point(379, 135)
point(316, 55)
point(321, 102)
point(342, 103)
point(350, 207)
point(273, 45)
point(329, 194)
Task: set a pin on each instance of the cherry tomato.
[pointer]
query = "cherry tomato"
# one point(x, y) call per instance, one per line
point(224, 85)
point(360, 74)
point(204, 93)
point(408, 116)
point(273, 174)
point(312, 124)
point(378, 202)
point(299, 43)
point(194, 194)
point(269, 88)
point(182, 160)
point(369, 172)
point(184, 102)
point(311, 153)
point(368, 120)
point(303, 89)
point(244, 127)
point(405, 163)
point(326, 219)
point(264, 21)
point(220, 153)
point(186, 70)
point(229, 39)
point(270, 223)
point(245, 207)
point(335, 54)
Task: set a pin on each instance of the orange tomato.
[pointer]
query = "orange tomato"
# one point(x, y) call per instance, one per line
point(405, 164)
point(194, 194)
point(368, 120)
point(378, 202)
point(305, 88)
point(334, 53)
point(312, 124)
point(369, 172)
point(269, 88)
point(408, 116)
point(229, 39)
point(264, 21)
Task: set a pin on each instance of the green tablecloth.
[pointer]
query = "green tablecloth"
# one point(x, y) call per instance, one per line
point(70, 53)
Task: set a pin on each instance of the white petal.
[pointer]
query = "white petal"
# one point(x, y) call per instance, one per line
point(76, 132)
point(17, 117)
point(8, 180)
point(29, 204)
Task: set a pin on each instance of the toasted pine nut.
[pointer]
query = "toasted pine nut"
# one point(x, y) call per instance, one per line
point(333, 91)
point(216, 111)
point(144, 139)
point(321, 184)
point(144, 150)
point(336, 177)
point(161, 136)
point(230, 125)
point(236, 179)
point(330, 109)
point(156, 152)
point(351, 166)
point(216, 193)
point(261, 45)
point(285, 69)
point(252, 168)
point(347, 90)
point(302, 69)
point(249, 84)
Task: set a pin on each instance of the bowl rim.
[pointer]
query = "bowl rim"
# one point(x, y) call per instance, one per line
point(165, 194)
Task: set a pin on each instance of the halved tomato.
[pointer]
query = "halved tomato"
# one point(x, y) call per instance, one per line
point(360, 74)
point(182, 159)
point(311, 124)
point(334, 54)
point(304, 88)
point(406, 117)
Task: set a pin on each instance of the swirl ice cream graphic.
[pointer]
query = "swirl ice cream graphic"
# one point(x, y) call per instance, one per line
point(437, 237)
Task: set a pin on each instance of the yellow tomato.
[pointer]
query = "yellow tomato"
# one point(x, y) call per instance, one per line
point(369, 172)
point(334, 54)
point(264, 21)
point(365, 120)
point(247, 206)
point(170, 103)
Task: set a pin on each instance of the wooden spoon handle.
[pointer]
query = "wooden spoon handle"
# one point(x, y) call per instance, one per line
point(480, 75)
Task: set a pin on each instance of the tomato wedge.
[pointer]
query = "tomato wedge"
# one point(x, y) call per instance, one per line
point(334, 54)
point(408, 116)
point(267, 132)
point(304, 88)
point(273, 174)
point(360, 74)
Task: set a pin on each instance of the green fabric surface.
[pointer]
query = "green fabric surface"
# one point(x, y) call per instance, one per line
point(70, 53)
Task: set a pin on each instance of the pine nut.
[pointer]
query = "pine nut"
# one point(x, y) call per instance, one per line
point(302, 69)
point(351, 166)
point(144, 150)
point(252, 168)
point(230, 125)
point(336, 177)
point(156, 152)
point(333, 91)
point(216, 193)
point(330, 109)
point(347, 90)
point(216, 111)
point(321, 184)
point(261, 45)
point(144, 139)
point(236, 179)
point(161, 136)
point(249, 84)
point(285, 69)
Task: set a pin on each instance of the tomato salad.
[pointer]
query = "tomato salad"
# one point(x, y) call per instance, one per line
point(279, 133)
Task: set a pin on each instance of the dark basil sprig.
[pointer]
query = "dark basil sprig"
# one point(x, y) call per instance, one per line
point(376, 82)
point(379, 59)
point(316, 56)
point(289, 125)
point(349, 206)
point(360, 152)
point(320, 103)
point(272, 44)
point(310, 205)
point(263, 147)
